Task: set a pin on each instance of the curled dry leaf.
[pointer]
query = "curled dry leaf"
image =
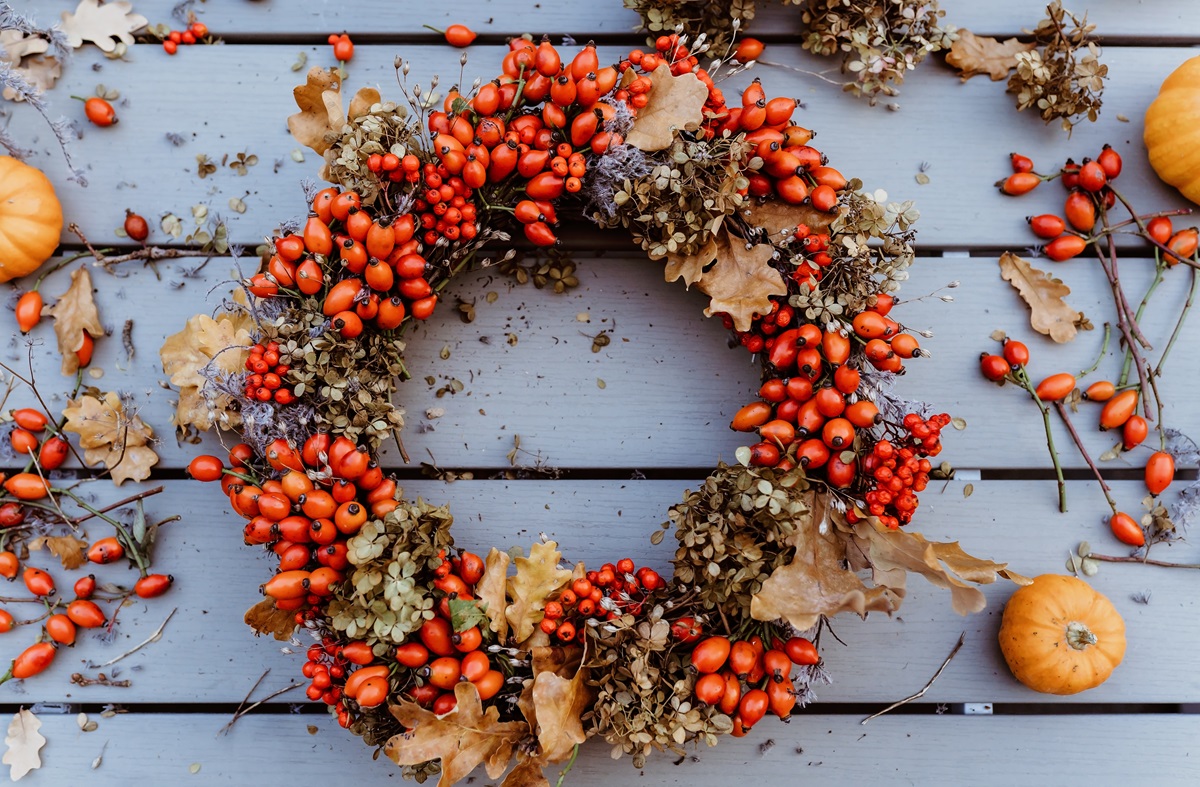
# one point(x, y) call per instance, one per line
point(68, 549)
point(491, 591)
point(526, 773)
point(1049, 314)
point(110, 436)
point(690, 268)
point(973, 55)
point(559, 697)
point(41, 71)
point(265, 618)
point(101, 24)
point(75, 312)
point(742, 281)
point(537, 577)
point(227, 340)
point(775, 216)
point(815, 584)
point(676, 104)
point(321, 117)
point(460, 739)
point(24, 744)
point(15, 45)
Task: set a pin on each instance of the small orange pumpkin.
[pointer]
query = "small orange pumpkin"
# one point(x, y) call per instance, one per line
point(1059, 636)
point(31, 219)
point(1170, 134)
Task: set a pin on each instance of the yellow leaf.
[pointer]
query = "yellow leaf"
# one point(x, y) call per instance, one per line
point(560, 695)
point(973, 55)
point(537, 577)
point(67, 549)
point(24, 743)
point(676, 104)
point(460, 739)
point(265, 618)
point(491, 591)
point(100, 24)
point(1049, 314)
point(741, 281)
point(814, 584)
point(227, 339)
point(112, 437)
point(75, 312)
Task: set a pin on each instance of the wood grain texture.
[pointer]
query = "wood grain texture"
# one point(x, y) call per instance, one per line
point(207, 655)
point(1166, 21)
point(964, 132)
point(818, 749)
point(671, 384)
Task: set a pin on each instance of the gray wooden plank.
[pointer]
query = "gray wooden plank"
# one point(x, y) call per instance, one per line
point(819, 749)
point(206, 655)
point(964, 132)
point(671, 383)
point(1143, 20)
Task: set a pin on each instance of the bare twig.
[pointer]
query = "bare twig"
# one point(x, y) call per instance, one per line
point(1062, 411)
point(1022, 378)
point(242, 712)
point(149, 254)
point(152, 638)
point(246, 699)
point(101, 679)
point(953, 652)
point(131, 499)
point(1144, 560)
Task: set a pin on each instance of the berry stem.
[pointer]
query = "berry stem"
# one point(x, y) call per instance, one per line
point(1103, 352)
point(1143, 560)
point(1159, 268)
point(1062, 411)
point(1142, 226)
point(1022, 378)
point(1183, 313)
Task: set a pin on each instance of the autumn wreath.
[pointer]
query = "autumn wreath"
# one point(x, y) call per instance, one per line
point(448, 659)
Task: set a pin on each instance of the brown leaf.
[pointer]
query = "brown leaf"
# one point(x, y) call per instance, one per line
point(68, 549)
point(1049, 314)
point(741, 281)
point(265, 618)
point(973, 55)
point(100, 24)
point(691, 267)
point(676, 104)
point(460, 739)
point(361, 101)
point(320, 103)
point(537, 577)
point(15, 45)
point(227, 339)
point(41, 71)
point(24, 744)
point(527, 773)
point(892, 552)
point(560, 696)
point(491, 591)
point(776, 215)
point(75, 312)
point(111, 436)
point(814, 584)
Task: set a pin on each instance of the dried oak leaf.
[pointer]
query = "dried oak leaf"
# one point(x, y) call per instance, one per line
point(491, 591)
point(110, 436)
point(815, 584)
point(891, 553)
point(24, 743)
point(776, 215)
point(68, 549)
point(973, 55)
point(742, 281)
point(265, 618)
point(691, 267)
point(321, 114)
point(15, 45)
point(559, 697)
point(41, 71)
point(537, 577)
point(460, 739)
point(676, 104)
point(225, 338)
point(526, 773)
point(1049, 314)
point(100, 24)
point(74, 312)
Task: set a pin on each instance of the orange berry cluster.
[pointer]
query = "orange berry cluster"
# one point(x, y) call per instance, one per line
point(616, 589)
point(196, 31)
point(744, 679)
point(266, 379)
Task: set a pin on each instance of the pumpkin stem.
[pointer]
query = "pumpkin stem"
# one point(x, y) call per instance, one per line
point(1079, 636)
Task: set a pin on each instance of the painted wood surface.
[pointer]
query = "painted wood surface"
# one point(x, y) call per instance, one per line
point(207, 656)
point(812, 749)
point(963, 132)
point(670, 385)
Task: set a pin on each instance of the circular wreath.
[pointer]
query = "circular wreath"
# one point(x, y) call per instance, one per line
point(448, 658)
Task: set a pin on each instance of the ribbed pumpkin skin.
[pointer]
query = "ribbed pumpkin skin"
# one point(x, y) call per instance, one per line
point(1034, 635)
point(31, 219)
point(1172, 133)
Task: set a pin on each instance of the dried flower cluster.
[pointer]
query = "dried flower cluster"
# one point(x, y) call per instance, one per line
point(1064, 79)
